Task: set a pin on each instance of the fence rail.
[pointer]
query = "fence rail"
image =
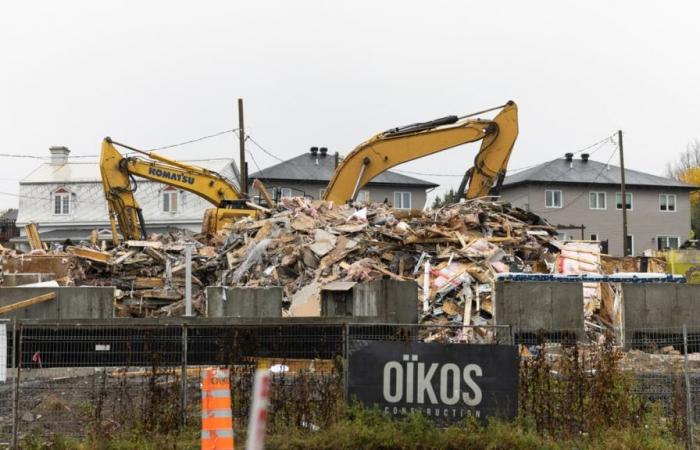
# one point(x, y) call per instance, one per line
point(84, 377)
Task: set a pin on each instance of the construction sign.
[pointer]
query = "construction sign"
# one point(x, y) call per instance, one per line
point(446, 382)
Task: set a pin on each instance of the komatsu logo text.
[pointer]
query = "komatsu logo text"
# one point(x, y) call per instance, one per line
point(170, 176)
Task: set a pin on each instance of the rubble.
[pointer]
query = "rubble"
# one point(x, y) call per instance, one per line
point(302, 245)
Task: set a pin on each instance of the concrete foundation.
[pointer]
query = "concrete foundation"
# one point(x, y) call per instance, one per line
point(71, 303)
point(389, 301)
point(528, 307)
point(244, 302)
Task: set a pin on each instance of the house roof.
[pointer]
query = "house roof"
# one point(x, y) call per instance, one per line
point(319, 168)
point(590, 172)
point(89, 172)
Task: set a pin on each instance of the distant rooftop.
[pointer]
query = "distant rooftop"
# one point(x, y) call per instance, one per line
point(319, 168)
point(9, 215)
point(578, 171)
point(89, 172)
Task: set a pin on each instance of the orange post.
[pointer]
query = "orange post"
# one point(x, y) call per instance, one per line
point(217, 420)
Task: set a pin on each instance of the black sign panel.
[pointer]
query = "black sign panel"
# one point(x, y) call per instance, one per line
point(449, 382)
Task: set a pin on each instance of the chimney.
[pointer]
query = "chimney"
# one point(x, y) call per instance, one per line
point(314, 151)
point(584, 157)
point(569, 156)
point(324, 151)
point(59, 155)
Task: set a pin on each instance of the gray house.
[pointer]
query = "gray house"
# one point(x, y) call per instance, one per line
point(582, 198)
point(307, 175)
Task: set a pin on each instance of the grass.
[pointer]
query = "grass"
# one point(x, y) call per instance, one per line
point(360, 428)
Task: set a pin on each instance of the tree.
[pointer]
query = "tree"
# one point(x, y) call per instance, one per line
point(687, 169)
point(689, 159)
point(450, 197)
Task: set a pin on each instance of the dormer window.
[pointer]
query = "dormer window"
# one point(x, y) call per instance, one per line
point(61, 202)
point(170, 200)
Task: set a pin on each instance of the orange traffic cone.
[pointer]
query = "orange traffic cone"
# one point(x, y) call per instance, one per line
point(217, 421)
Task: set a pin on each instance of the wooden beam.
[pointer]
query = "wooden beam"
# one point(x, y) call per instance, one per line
point(88, 253)
point(27, 303)
point(257, 184)
point(33, 236)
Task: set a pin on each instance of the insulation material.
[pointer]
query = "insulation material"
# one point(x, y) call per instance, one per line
point(579, 258)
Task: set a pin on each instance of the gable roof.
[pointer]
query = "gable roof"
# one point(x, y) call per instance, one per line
point(319, 169)
point(590, 172)
point(89, 172)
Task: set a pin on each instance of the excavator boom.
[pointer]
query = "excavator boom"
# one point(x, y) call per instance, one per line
point(119, 187)
point(399, 145)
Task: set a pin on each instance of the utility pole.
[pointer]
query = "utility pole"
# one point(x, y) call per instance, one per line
point(241, 143)
point(622, 193)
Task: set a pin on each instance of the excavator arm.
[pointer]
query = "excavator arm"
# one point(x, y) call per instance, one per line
point(399, 145)
point(119, 186)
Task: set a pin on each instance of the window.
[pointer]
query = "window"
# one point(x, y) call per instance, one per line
point(363, 196)
point(552, 199)
point(597, 200)
point(285, 192)
point(629, 244)
point(321, 193)
point(594, 236)
point(666, 242)
point(61, 202)
point(667, 202)
point(628, 200)
point(402, 200)
point(170, 200)
point(561, 235)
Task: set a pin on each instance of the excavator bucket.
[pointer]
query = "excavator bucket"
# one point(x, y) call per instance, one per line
point(216, 219)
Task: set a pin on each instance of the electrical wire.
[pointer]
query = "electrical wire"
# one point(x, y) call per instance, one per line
point(585, 189)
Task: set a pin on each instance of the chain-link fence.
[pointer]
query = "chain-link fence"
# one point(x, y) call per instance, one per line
point(100, 377)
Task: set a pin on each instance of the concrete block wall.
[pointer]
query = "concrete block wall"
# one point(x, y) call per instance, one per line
point(659, 306)
point(390, 301)
point(530, 306)
point(71, 303)
point(244, 302)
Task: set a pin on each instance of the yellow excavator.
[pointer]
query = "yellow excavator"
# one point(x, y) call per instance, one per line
point(399, 145)
point(118, 174)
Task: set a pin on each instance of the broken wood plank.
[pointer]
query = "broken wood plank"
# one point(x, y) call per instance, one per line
point(257, 184)
point(90, 254)
point(33, 236)
point(143, 244)
point(29, 302)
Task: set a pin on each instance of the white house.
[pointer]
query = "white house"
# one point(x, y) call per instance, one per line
point(66, 200)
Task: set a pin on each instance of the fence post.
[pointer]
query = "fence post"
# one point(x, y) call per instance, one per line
point(688, 396)
point(183, 379)
point(15, 418)
point(346, 357)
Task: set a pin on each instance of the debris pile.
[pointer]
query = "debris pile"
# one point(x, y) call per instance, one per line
point(305, 244)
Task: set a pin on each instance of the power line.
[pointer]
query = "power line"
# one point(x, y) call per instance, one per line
point(191, 141)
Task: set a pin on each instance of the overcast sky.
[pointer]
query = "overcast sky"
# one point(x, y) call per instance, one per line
point(152, 73)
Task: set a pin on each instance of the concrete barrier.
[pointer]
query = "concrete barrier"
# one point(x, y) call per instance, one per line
point(244, 302)
point(19, 279)
point(389, 301)
point(655, 306)
point(530, 306)
point(71, 302)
